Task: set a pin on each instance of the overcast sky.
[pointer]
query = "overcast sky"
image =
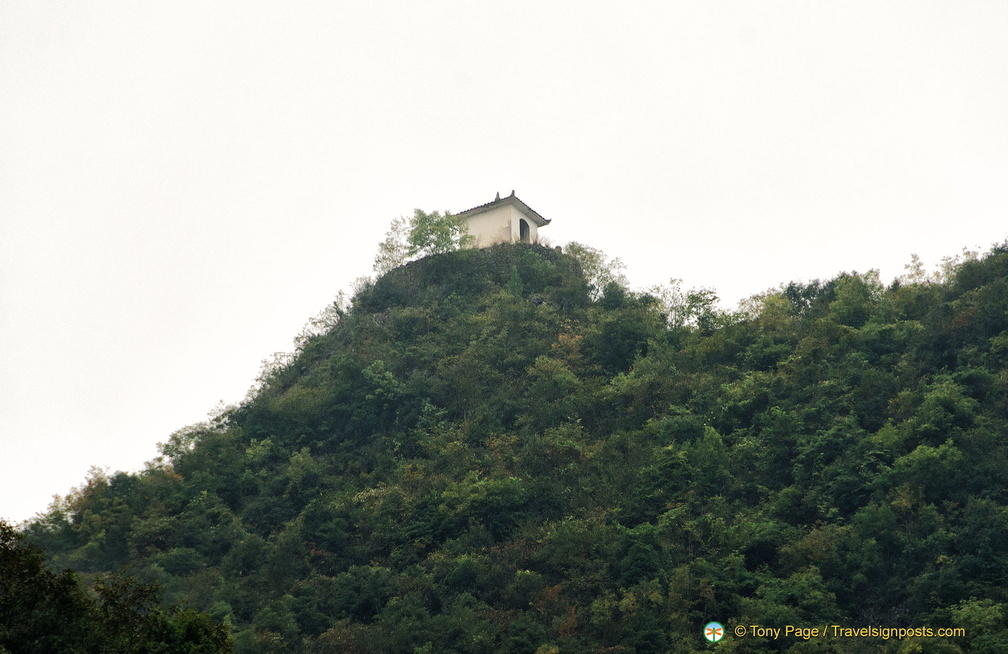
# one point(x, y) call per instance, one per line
point(184, 184)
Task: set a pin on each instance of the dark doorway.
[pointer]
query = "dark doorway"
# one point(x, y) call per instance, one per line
point(523, 231)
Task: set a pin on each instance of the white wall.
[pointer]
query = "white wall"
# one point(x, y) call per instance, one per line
point(491, 227)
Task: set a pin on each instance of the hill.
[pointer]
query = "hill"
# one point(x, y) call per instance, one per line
point(486, 454)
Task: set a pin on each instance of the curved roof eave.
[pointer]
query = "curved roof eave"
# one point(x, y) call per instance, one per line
point(509, 200)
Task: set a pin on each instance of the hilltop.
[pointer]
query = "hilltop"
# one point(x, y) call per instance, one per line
point(489, 452)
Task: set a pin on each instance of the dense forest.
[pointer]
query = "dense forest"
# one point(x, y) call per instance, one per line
point(501, 450)
point(42, 612)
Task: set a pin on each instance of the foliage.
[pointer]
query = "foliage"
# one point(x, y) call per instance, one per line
point(598, 269)
point(424, 234)
point(696, 307)
point(41, 611)
point(507, 450)
point(392, 251)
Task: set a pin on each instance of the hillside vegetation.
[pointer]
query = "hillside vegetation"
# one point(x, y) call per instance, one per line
point(486, 454)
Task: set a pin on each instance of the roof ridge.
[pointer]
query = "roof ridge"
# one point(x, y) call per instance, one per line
point(512, 200)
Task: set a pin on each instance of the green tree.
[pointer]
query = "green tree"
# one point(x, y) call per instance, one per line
point(598, 269)
point(392, 251)
point(484, 452)
point(420, 236)
point(436, 233)
point(41, 611)
point(696, 307)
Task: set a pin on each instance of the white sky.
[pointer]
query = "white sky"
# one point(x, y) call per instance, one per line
point(184, 184)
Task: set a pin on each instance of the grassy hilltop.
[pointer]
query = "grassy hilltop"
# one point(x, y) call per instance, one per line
point(487, 454)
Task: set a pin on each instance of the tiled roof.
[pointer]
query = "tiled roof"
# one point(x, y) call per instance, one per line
point(513, 201)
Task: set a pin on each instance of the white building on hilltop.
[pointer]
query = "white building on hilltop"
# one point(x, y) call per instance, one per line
point(505, 220)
